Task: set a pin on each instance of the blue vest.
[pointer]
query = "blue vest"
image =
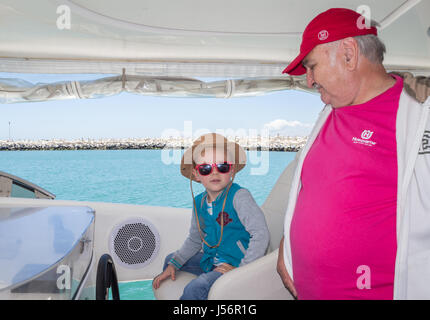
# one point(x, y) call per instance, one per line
point(235, 238)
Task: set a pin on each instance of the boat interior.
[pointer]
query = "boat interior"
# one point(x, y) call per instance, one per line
point(139, 237)
point(140, 47)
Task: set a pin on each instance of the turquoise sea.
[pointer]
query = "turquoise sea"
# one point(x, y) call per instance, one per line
point(149, 177)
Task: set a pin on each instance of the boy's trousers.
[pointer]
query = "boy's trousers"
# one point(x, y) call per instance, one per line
point(197, 289)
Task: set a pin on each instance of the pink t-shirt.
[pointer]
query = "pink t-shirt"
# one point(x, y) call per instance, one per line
point(343, 232)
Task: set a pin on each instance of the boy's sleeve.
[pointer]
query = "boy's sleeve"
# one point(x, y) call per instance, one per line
point(252, 218)
point(191, 246)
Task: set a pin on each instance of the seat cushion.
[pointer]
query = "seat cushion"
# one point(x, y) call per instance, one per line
point(172, 290)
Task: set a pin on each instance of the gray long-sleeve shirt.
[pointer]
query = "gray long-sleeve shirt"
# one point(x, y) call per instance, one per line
point(251, 217)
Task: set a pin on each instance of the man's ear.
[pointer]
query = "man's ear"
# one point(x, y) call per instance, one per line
point(350, 53)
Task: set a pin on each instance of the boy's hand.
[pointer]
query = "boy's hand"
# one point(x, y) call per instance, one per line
point(223, 268)
point(170, 271)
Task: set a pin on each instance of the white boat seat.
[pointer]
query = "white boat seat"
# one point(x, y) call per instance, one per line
point(172, 290)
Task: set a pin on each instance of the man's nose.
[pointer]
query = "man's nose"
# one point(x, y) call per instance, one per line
point(309, 78)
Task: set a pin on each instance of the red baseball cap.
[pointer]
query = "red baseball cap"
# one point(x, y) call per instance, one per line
point(331, 25)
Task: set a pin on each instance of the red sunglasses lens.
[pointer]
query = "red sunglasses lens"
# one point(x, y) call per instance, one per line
point(206, 169)
point(223, 167)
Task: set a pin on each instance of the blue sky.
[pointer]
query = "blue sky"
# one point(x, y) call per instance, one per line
point(133, 116)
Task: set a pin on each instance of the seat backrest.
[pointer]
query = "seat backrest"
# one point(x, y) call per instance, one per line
point(275, 206)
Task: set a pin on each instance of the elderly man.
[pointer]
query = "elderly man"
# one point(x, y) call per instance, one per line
point(357, 224)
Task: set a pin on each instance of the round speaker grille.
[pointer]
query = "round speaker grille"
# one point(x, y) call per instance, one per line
point(134, 243)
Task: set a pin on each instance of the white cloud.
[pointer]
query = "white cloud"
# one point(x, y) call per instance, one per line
point(281, 124)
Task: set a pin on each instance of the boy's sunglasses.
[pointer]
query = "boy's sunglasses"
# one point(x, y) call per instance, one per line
point(206, 169)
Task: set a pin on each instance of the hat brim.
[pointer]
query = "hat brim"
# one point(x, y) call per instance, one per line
point(239, 152)
point(295, 68)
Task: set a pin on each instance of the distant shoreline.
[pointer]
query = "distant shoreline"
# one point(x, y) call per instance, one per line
point(276, 143)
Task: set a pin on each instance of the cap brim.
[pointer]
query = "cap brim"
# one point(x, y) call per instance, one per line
point(295, 68)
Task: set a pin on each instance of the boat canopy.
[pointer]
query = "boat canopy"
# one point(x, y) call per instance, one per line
point(14, 90)
point(162, 47)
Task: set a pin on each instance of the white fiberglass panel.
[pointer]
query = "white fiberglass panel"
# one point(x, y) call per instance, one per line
point(32, 240)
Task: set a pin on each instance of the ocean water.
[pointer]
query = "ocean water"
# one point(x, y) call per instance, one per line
point(149, 177)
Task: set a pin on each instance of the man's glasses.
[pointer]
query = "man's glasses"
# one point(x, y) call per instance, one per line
point(206, 169)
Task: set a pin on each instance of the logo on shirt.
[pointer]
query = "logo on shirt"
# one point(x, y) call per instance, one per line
point(365, 138)
point(366, 134)
point(425, 144)
point(226, 218)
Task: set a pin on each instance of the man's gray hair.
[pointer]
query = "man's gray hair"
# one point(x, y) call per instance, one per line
point(371, 46)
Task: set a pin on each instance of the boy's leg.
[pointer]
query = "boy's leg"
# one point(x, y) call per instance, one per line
point(198, 289)
point(191, 266)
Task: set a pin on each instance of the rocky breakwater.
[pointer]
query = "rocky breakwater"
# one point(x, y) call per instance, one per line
point(277, 143)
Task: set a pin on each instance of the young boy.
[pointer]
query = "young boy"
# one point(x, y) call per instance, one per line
point(228, 229)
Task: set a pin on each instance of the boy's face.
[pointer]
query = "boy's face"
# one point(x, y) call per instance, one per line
point(215, 182)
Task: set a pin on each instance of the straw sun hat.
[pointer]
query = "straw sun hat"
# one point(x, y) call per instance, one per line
point(212, 140)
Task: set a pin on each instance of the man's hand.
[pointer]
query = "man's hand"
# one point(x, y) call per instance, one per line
point(170, 271)
point(283, 273)
point(223, 268)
